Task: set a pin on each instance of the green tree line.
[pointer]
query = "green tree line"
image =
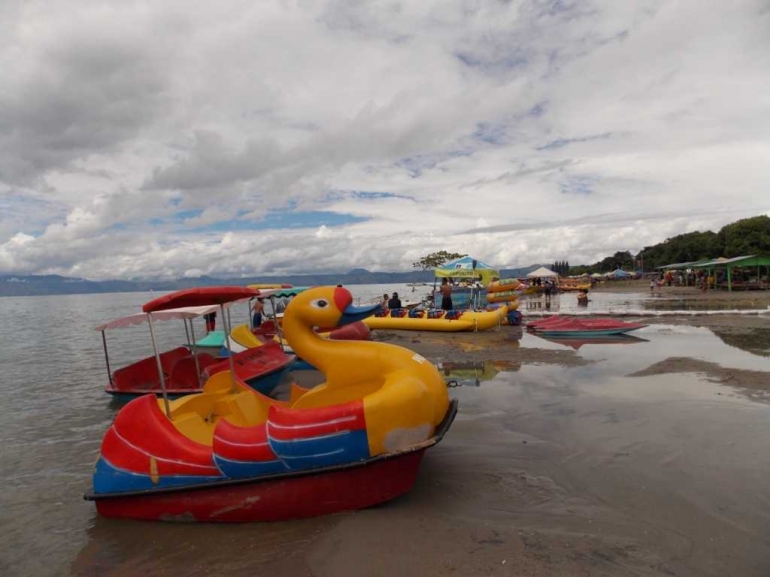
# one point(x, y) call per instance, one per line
point(743, 237)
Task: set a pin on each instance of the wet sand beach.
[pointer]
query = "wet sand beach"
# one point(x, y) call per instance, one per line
point(638, 456)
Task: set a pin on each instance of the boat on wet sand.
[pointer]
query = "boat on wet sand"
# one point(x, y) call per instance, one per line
point(572, 327)
point(233, 454)
point(576, 342)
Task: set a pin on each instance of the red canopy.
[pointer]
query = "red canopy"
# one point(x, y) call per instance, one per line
point(196, 297)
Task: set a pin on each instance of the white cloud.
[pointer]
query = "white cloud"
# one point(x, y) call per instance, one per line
point(160, 139)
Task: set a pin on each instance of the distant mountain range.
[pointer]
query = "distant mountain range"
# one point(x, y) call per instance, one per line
point(39, 285)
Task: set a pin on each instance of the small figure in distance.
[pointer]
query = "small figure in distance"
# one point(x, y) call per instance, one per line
point(211, 321)
point(384, 301)
point(446, 295)
point(394, 302)
point(259, 307)
point(281, 305)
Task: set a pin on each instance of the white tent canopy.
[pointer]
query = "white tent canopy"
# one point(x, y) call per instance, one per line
point(542, 272)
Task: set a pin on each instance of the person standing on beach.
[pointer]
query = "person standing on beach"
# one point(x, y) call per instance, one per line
point(446, 295)
point(211, 321)
point(259, 307)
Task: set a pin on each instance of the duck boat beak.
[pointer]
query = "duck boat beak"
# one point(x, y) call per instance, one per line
point(352, 314)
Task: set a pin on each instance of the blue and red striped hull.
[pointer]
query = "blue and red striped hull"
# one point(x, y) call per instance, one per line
point(289, 495)
point(294, 497)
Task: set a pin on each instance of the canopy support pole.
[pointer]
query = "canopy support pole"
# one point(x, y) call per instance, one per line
point(729, 279)
point(106, 357)
point(186, 332)
point(195, 351)
point(225, 320)
point(160, 367)
point(278, 330)
point(433, 294)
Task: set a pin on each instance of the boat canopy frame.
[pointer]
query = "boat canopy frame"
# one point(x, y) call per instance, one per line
point(152, 314)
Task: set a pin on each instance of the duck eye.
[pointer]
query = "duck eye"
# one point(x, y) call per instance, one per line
point(319, 303)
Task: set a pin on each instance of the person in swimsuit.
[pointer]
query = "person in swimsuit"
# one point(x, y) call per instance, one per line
point(259, 307)
point(446, 295)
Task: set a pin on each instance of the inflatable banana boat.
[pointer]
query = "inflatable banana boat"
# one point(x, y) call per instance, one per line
point(505, 290)
point(233, 454)
point(504, 297)
point(438, 320)
point(502, 285)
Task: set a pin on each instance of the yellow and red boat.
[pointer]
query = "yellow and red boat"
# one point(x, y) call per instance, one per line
point(233, 454)
point(574, 284)
point(438, 320)
point(505, 290)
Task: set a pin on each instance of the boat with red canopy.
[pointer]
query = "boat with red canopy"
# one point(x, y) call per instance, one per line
point(184, 369)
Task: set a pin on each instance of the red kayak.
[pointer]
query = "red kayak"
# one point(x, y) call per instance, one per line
point(559, 322)
point(588, 328)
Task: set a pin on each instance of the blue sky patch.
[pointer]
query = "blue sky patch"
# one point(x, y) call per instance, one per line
point(490, 133)
point(185, 214)
point(582, 185)
point(416, 164)
point(281, 219)
point(561, 142)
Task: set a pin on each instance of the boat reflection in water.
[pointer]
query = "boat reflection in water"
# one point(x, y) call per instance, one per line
point(577, 342)
point(472, 373)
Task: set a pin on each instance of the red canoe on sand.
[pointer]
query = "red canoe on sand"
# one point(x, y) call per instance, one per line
point(559, 322)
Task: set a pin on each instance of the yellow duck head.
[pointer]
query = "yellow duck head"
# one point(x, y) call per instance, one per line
point(326, 308)
point(404, 397)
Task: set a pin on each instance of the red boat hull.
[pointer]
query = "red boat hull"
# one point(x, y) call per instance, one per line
point(295, 495)
point(274, 500)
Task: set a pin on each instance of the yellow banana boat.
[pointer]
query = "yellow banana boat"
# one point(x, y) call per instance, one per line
point(435, 320)
point(575, 287)
point(502, 285)
point(511, 297)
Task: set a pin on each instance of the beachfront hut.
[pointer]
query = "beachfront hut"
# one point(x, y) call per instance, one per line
point(755, 262)
point(467, 268)
point(542, 272)
point(682, 266)
point(619, 273)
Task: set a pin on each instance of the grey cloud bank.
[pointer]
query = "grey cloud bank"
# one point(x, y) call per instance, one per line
point(153, 140)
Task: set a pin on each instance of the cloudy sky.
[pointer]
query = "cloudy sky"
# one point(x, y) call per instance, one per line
point(178, 138)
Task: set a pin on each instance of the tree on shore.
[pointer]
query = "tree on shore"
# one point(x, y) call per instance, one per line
point(436, 259)
point(742, 237)
point(562, 267)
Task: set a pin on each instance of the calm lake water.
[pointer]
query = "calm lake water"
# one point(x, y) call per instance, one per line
point(54, 413)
